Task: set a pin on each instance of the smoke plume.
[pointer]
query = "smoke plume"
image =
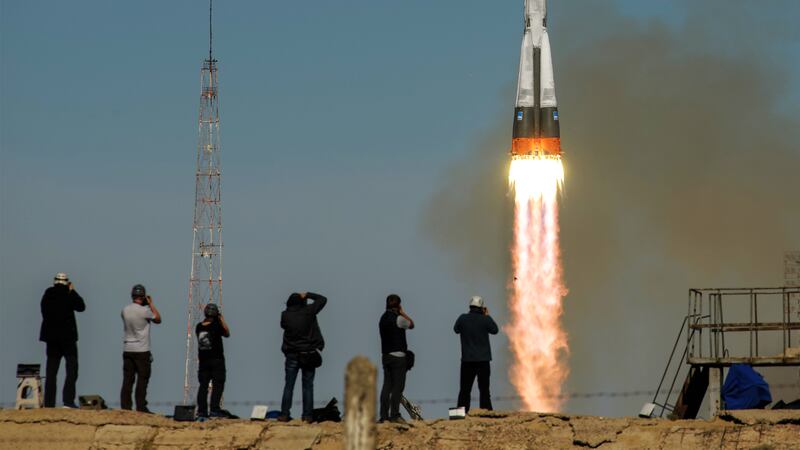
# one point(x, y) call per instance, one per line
point(681, 154)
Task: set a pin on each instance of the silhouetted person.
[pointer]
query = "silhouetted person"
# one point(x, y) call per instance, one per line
point(302, 342)
point(60, 332)
point(476, 353)
point(136, 357)
point(392, 326)
point(211, 361)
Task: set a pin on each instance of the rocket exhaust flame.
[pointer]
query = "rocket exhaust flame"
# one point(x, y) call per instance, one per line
point(538, 343)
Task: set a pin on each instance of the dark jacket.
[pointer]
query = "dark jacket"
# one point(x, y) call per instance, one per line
point(475, 328)
point(301, 331)
point(58, 314)
point(393, 338)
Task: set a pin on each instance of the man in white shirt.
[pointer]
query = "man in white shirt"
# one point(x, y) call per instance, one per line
point(136, 357)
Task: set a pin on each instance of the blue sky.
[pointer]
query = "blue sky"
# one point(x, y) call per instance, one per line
point(339, 121)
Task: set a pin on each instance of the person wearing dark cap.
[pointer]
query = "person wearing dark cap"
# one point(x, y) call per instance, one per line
point(136, 356)
point(302, 342)
point(474, 328)
point(60, 332)
point(395, 359)
point(211, 361)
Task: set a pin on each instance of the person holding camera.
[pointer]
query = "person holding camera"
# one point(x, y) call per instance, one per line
point(302, 342)
point(136, 356)
point(395, 357)
point(60, 332)
point(211, 361)
point(474, 328)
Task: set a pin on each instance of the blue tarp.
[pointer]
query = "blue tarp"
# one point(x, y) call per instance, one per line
point(745, 388)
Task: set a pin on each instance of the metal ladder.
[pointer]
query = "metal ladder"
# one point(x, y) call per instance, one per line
point(695, 385)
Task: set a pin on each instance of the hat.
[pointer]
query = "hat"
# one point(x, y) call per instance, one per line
point(61, 278)
point(476, 301)
point(138, 291)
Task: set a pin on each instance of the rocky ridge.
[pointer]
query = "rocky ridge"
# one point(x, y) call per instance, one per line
point(115, 429)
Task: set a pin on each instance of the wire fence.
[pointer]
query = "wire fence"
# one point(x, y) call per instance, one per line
point(453, 401)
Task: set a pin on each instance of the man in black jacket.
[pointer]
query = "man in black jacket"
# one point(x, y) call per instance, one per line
point(302, 341)
point(392, 326)
point(475, 328)
point(60, 332)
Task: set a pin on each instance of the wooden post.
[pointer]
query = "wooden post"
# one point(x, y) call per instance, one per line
point(359, 404)
point(714, 392)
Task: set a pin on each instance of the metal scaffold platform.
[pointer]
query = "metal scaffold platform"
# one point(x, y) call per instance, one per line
point(769, 313)
point(725, 326)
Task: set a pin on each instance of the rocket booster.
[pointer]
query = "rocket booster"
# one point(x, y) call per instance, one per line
point(536, 131)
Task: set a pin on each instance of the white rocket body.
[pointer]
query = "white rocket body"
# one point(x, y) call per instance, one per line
point(536, 130)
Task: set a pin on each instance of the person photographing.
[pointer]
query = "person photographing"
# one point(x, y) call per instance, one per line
point(302, 342)
point(211, 361)
point(395, 357)
point(60, 332)
point(474, 329)
point(136, 356)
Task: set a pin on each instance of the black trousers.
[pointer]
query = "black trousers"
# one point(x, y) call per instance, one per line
point(470, 370)
point(213, 371)
point(135, 368)
point(394, 381)
point(56, 351)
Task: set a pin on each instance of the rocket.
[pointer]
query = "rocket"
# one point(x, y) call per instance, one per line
point(536, 130)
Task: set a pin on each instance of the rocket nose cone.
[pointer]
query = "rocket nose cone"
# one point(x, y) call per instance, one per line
point(535, 9)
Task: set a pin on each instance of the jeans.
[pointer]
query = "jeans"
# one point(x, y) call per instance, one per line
point(394, 381)
point(135, 367)
point(213, 371)
point(292, 367)
point(469, 370)
point(55, 351)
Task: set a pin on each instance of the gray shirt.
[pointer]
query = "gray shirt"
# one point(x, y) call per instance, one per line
point(136, 321)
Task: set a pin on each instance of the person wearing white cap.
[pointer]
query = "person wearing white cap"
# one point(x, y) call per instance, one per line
point(474, 328)
point(60, 332)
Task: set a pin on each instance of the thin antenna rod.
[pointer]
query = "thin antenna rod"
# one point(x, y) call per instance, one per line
point(210, 32)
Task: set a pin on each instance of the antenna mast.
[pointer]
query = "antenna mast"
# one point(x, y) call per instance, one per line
point(210, 31)
point(205, 279)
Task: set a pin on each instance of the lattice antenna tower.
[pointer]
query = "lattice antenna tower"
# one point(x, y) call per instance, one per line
point(205, 279)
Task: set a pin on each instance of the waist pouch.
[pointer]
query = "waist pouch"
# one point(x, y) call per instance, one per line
point(309, 360)
point(409, 359)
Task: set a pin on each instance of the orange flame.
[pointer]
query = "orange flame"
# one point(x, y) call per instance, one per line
point(538, 342)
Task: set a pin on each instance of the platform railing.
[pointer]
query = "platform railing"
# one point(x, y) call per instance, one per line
point(707, 345)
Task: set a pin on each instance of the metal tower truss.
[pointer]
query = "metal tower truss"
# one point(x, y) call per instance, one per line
point(205, 280)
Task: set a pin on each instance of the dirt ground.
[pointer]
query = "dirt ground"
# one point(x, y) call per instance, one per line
point(114, 429)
